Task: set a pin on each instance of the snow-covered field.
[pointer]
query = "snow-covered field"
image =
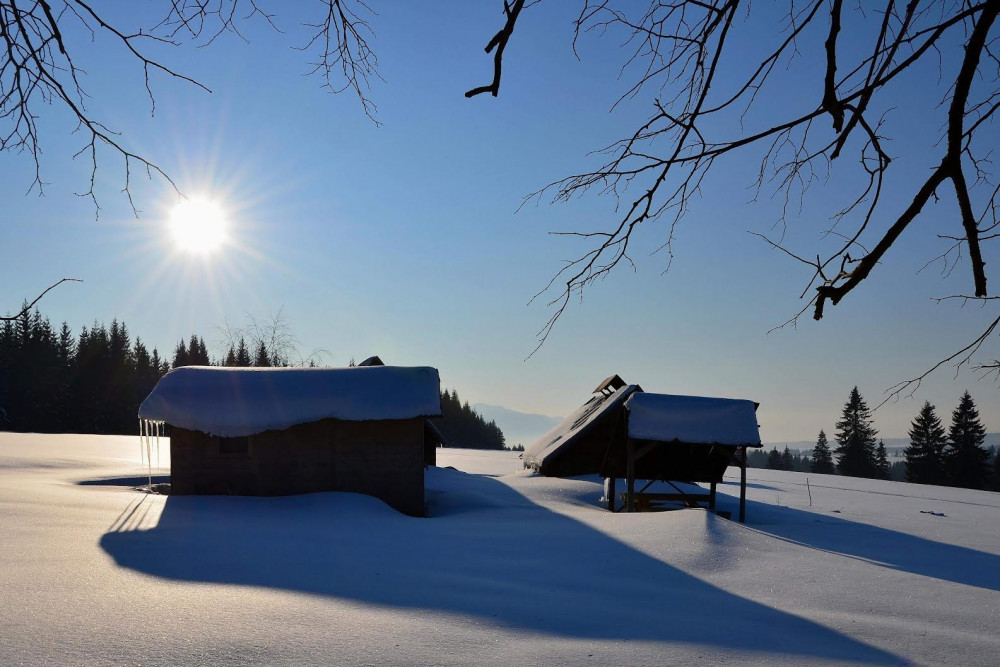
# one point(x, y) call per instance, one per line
point(509, 569)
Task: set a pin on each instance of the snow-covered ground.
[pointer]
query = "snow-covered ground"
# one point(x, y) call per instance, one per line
point(510, 569)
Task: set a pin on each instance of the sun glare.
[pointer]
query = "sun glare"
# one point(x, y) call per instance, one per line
point(198, 225)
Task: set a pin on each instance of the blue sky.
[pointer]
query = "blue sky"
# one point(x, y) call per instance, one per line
point(406, 240)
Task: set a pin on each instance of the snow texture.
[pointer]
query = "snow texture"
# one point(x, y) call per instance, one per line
point(562, 434)
point(234, 402)
point(692, 419)
point(509, 568)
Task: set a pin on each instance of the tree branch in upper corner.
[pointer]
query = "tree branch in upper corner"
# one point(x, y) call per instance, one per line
point(499, 42)
point(39, 298)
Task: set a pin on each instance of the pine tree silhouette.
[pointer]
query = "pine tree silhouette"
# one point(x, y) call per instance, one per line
point(856, 439)
point(882, 467)
point(180, 355)
point(787, 462)
point(965, 458)
point(822, 460)
point(263, 359)
point(925, 454)
point(774, 461)
point(242, 354)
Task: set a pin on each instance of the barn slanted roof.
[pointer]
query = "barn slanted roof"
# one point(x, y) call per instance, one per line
point(693, 419)
point(234, 402)
point(563, 436)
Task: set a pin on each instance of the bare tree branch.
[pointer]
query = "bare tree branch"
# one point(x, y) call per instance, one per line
point(964, 357)
point(677, 47)
point(341, 39)
point(39, 69)
point(831, 104)
point(28, 307)
point(499, 42)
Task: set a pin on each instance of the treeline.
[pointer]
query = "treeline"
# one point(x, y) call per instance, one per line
point(462, 426)
point(54, 382)
point(956, 457)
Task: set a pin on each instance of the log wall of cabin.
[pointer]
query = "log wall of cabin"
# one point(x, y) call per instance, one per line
point(384, 459)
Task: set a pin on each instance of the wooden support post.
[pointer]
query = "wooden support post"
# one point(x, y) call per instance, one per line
point(743, 485)
point(630, 478)
point(711, 497)
point(611, 494)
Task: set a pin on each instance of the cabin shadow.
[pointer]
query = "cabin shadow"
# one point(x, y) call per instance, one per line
point(881, 547)
point(485, 552)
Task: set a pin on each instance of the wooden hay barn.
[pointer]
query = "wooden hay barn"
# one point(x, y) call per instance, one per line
point(282, 431)
point(585, 442)
point(625, 433)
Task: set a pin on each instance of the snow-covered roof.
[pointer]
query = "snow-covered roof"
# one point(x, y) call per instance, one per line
point(563, 433)
point(692, 419)
point(233, 402)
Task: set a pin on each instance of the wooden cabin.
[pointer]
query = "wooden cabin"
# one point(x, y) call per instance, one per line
point(283, 431)
point(433, 438)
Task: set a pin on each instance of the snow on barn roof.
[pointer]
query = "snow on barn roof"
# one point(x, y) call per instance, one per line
point(693, 419)
point(562, 435)
point(234, 402)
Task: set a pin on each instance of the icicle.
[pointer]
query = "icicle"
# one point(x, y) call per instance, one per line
point(149, 461)
point(157, 446)
point(142, 438)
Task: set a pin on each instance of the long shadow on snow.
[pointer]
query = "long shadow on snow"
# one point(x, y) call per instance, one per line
point(139, 480)
point(488, 552)
point(882, 546)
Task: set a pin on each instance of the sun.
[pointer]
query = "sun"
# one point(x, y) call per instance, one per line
point(198, 225)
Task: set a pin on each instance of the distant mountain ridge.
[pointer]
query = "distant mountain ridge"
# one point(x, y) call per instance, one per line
point(518, 427)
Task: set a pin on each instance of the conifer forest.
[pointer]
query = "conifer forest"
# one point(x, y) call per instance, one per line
point(57, 381)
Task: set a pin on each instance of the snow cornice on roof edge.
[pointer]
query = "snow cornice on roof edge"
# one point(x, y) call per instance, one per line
point(235, 402)
point(693, 419)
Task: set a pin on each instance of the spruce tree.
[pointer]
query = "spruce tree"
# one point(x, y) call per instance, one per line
point(856, 439)
point(925, 455)
point(242, 354)
point(180, 355)
point(882, 466)
point(965, 458)
point(787, 462)
point(197, 352)
point(774, 461)
point(822, 460)
point(263, 359)
point(160, 367)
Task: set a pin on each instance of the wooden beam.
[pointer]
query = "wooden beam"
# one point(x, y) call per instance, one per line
point(711, 497)
point(611, 494)
point(630, 478)
point(743, 485)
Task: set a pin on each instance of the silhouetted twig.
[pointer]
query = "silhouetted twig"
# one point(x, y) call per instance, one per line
point(38, 298)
